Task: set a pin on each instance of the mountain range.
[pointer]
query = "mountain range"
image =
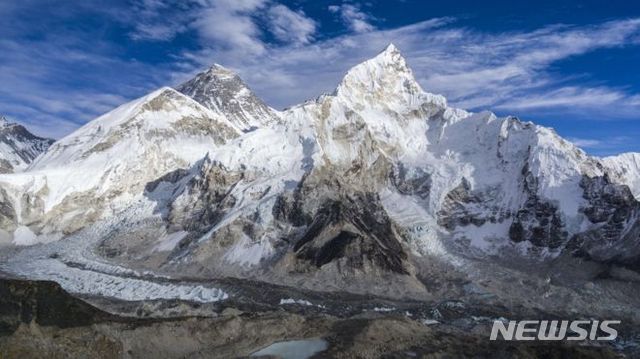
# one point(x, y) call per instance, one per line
point(378, 188)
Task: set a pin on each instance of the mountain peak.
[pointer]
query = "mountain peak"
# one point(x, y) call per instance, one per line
point(220, 71)
point(385, 76)
point(223, 91)
point(3, 121)
point(392, 56)
point(391, 49)
point(18, 146)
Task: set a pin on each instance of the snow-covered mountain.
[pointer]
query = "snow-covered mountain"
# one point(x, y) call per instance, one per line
point(223, 92)
point(18, 146)
point(364, 189)
point(105, 165)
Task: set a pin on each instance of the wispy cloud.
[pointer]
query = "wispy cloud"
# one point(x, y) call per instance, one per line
point(567, 97)
point(586, 142)
point(606, 145)
point(156, 20)
point(229, 25)
point(290, 26)
point(353, 16)
point(237, 26)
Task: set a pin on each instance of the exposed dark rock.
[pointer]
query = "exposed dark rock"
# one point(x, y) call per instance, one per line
point(608, 203)
point(417, 182)
point(171, 177)
point(211, 194)
point(454, 210)
point(5, 166)
point(538, 221)
point(44, 303)
point(356, 229)
point(463, 206)
point(616, 213)
point(289, 208)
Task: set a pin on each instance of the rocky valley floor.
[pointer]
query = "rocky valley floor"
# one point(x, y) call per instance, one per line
point(40, 320)
point(120, 312)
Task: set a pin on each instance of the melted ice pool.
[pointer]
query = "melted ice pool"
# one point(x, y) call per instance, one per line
point(294, 349)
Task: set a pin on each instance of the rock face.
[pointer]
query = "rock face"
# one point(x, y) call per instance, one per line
point(18, 146)
point(616, 215)
point(223, 92)
point(379, 182)
point(625, 169)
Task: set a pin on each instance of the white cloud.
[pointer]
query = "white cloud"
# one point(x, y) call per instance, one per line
point(230, 25)
point(291, 26)
point(155, 20)
point(237, 26)
point(353, 16)
point(585, 142)
point(605, 145)
point(567, 97)
point(634, 100)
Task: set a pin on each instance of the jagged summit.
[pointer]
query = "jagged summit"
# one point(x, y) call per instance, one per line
point(386, 79)
point(389, 62)
point(391, 54)
point(391, 48)
point(218, 69)
point(18, 146)
point(222, 91)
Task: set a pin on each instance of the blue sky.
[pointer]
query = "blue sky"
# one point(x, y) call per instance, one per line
point(571, 65)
